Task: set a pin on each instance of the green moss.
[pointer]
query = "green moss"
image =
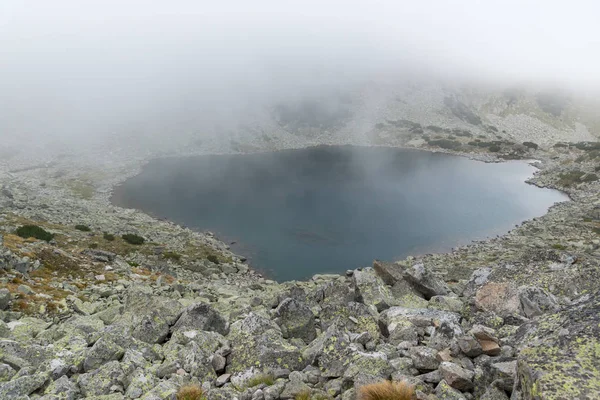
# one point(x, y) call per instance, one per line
point(83, 228)
point(133, 239)
point(34, 231)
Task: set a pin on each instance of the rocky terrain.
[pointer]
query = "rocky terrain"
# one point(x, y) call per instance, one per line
point(90, 314)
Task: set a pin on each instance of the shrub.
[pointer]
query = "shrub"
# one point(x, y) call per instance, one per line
point(171, 255)
point(256, 380)
point(93, 245)
point(34, 231)
point(494, 148)
point(570, 178)
point(589, 178)
point(133, 239)
point(559, 247)
point(445, 143)
point(191, 392)
point(530, 145)
point(108, 236)
point(213, 259)
point(386, 390)
point(557, 145)
point(83, 228)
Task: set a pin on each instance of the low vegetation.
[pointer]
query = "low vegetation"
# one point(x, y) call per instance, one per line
point(213, 259)
point(34, 231)
point(171, 255)
point(191, 392)
point(575, 177)
point(83, 228)
point(133, 239)
point(531, 145)
point(266, 379)
point(445, 144)
point(108, 236)
point(387, 390)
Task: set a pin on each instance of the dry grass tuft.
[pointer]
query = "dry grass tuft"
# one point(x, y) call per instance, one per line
point(387, 390)
point(303, 395)
point(191, 392)
point(267, 379)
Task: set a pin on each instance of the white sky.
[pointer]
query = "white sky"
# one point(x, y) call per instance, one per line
point(64, 58)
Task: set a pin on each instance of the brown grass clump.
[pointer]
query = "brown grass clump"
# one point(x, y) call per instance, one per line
point(387, 390)
point(191, 392)
point(303, 395)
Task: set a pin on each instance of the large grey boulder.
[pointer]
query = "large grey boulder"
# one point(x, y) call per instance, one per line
point(153, 328)
point(444, 391)
point(424, 358)
point(110, 377)
point(536, 301)
point(354, 317)
point(402, 322)
point(371, 290)
point(202, 317)
point(390, 273)
point(257, 342)
point(22, 386)
point(332, 351)
point(63, 388)
point(456, 376)
point(367, 368)
point(102, 351)
point(296, 320)
point(5, 298)
point(425, 281)
point(192, 351)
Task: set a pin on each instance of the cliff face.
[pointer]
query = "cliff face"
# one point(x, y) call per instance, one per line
point(88, 314)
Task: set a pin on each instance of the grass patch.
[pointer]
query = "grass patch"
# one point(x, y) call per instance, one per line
point(34, 231)
point(171, 255)
point(133, 239)
point(108, 236)
point(82, 189)
point(260, 379)
point(386, 390)
point(559, 247)
point(190, 392)
point(83, 228)
point(212, 258)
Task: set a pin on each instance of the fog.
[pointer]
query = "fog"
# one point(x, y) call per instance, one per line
point(78, 70)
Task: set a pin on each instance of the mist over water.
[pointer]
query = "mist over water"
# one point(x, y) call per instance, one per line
point(296, 213)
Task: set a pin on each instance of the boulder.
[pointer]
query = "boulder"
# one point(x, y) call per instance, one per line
point(102, 351)
point(296, 320)
point(332, 351)
point(425, 281)
point(352, 316)
point(257, 342)
point(371, 290)
point(444, 391)
point(22, 386)
point(500, 298)
point(390, 273)
point(536, 301)
point(202, 317)
point(367, 368)
point(558, 353)
point(5, 298)
point(424, 358)
point(110, 377)
point(456, 376)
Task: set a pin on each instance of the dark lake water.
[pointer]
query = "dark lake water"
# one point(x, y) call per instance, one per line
point(328, 209)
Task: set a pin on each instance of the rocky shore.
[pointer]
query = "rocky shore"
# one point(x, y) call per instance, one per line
point(88, 314)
